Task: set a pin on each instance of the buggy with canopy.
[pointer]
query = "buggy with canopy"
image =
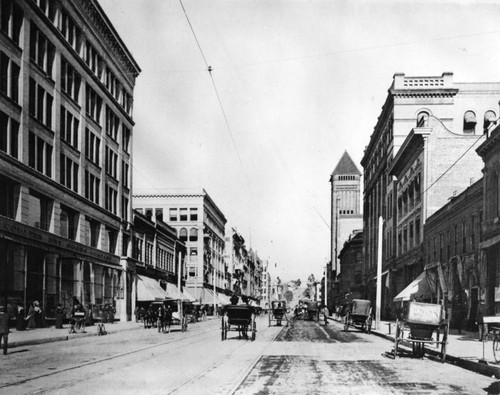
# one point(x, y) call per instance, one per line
point(359, 315)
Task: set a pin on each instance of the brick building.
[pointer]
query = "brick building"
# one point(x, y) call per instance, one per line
point(452, 257)
point(463, 109)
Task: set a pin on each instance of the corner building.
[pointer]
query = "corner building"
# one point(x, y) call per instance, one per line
point(460, 109)
point(66, 89)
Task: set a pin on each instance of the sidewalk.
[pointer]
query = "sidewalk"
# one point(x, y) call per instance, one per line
point(51, 334)
point(464, 350)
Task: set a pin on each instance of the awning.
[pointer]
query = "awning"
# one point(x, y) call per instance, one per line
point(420, 288)
point(490, 242)
point(149, 290)
point(223, 299)
point(174, 293)
point(189, 296)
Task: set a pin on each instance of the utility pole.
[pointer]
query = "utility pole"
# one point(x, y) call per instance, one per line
point(379, 273)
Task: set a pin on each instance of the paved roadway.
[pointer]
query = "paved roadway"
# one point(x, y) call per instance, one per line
point(307, 358)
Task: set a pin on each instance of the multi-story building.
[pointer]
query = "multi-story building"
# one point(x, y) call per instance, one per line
point(265, 301)
point(200, 224)
point(160, 260)
point(452, 261)
point(345, 200)
point(351, 262)
point(490, 243)
point(463, 109)
point(433, 165)
point(66, 86)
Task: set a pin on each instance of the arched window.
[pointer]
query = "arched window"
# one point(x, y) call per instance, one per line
point(422, 119)
point(183, 234)
point(193, 234)
point(470, 122)
point(489, 118)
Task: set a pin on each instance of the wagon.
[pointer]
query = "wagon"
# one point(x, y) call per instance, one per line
point(422, 323)
point(309, 309)
point(359, 315)
point(240, 318)
point(179, 316)
point(278, 312)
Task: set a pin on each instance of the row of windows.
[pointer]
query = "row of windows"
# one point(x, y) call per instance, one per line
point(42, 51)
point(175, 214)
point(11, 19)
point(111, 163)
point(40, 104)
point(40, 155)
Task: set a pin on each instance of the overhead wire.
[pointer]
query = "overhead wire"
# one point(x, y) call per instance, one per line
point(219, 100)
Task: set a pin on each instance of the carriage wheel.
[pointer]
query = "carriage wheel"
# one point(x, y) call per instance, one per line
point(346, 322)
point(369, 325)
point(444, 342)
point(223, 329)
point(254, 329)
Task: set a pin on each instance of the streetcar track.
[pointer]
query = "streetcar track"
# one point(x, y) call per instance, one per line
point(97, 361)
point(218, 362)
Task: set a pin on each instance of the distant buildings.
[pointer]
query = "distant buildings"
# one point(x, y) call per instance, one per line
point(200, 224)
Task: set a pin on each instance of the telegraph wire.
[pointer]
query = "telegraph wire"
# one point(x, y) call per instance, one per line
point(226, 120)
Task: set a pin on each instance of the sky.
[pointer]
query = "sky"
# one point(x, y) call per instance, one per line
point(293, 85)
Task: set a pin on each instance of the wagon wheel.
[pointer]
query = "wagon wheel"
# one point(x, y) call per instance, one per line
point(223, 329)
point(346, 322)
point(396, 339)
point(369, 325)
point(254, 329)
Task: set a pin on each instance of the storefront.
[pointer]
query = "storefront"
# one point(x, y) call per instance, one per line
point(38, 266)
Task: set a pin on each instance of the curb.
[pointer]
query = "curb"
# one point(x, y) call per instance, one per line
point(32, 342)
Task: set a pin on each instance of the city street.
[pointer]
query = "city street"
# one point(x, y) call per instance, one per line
point(307, 357)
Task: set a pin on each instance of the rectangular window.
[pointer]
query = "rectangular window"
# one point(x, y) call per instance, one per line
point(112, 123)
point(110, 199)
point(9, 197)
point(125, 172)
point(111, 163)
point(193, 214)
point(70, 30)
point(9, 78)
point(9, 135)
point(40, 155)
point(95, 233)
point(48, 7)
point(93, 104)
point(126, 135)
point(173, 214)
point(183, 214)
point(40, 104)
point(92, 186)
point(70, 80)
point(68, 173)
point(39, 210)
point(42, 51)
point(92, 147)
point(126, 102)
point(69, 220)
point(69, 128)
point(125, 208)
point(11, 19)
point(93, 60)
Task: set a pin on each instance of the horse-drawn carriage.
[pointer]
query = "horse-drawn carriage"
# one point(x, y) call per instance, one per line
point(359, 314)
point(423, 323)
point(240, 318)
point(309, 309)
point(277, 313)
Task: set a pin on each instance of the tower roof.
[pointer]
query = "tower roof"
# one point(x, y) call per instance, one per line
point(346, 166)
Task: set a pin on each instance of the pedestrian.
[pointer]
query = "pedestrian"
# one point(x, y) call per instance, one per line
point(20, 321)
point(326, 313)
point(39, 317)
point(4, 329)
point(31, 317)
point(59, 316)
point(168, 318)
point(89, 316)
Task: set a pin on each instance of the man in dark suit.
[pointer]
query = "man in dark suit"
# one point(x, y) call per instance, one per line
point(4, 328)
